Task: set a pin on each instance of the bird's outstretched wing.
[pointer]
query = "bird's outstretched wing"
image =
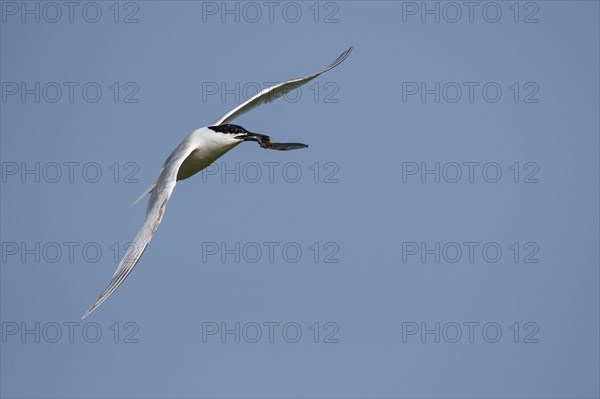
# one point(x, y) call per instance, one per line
point(265, 96)
point(271, 93)
point(154, 213)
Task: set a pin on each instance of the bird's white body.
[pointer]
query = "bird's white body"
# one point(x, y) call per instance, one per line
point(208, 148)
point(196, 152)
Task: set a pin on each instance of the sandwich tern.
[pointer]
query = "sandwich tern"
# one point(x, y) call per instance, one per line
point(197, 151)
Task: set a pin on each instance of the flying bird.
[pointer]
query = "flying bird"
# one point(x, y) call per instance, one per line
point(197, 151)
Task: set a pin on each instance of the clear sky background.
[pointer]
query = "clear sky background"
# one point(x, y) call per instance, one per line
point(439, 237)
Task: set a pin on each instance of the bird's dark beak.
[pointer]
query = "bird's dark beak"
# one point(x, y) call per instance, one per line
point(265, 142)
point(253, 137)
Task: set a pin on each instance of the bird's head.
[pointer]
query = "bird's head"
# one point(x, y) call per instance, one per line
point(238, 132)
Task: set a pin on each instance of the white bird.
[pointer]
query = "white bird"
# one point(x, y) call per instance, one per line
point(201, 148)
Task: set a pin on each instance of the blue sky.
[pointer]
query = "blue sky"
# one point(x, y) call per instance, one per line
point(438, 238)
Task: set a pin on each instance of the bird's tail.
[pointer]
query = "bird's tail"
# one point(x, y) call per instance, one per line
point(148, 191)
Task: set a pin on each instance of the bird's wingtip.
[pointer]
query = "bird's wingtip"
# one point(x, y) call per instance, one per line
point(89, 311)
